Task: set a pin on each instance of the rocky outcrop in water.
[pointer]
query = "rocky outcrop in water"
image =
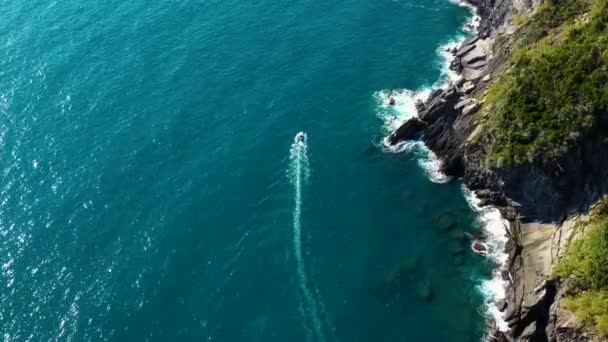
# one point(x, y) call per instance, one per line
point(410, 130)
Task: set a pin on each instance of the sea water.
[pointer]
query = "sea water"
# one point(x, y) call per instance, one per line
point(153, 185)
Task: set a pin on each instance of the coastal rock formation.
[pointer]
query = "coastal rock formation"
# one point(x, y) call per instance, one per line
point(408, 131)
point(452, 123)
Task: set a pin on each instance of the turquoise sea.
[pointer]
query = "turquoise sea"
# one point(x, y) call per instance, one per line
point(151, 187)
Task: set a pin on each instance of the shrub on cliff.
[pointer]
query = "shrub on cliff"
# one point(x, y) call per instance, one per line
point(585, 264)
point(557, 88)
point(591, 307)
point(587, 259)
point(549, 15)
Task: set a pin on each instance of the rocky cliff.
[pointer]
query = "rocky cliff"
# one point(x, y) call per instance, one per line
point(537, 197)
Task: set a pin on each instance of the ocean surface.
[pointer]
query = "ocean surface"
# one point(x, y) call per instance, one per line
point(152, 186)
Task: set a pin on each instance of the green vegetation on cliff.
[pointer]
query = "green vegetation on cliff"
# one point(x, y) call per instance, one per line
point(556, 89)
point(551, 99)
point(585, 264)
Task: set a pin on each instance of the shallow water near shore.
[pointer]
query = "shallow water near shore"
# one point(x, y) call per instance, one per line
point(153, 186)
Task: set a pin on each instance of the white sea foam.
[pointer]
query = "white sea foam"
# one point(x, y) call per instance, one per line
point(495, 229)
point(493, 225)
point(472, 24)
point(394, 116)
point(446, 57)
point(404, 108)
point(405, 101)
point(427, 159)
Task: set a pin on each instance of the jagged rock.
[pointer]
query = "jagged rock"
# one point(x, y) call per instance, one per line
point(470, 41)
point(467, 87)
point(528, 332)
point(501, 305)
point(473, 59)
point(408, 131)
point(439, 106)
point(434, 94)
point(456, 65)
point(471, 74)
point(486, 78)
point(471, 108)
point(420, 106)
point(464, 50)
point(488, 197)
point(476, 65)
point(463, 103)
point(448, 93)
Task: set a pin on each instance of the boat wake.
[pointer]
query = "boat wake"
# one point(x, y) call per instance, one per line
point(299, 173)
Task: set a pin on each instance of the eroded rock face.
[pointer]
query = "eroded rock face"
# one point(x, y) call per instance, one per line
point(495, 12)
point(542, 191)
point(549, 192)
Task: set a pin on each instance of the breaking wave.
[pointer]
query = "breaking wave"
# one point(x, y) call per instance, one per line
point(493, 224)
point(495, 229)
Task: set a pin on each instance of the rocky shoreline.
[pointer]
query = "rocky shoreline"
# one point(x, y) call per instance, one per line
point(450, 122)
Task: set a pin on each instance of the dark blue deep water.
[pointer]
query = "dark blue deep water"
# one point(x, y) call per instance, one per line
point(149, 189)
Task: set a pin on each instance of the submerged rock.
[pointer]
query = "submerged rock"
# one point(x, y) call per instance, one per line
point(424, 291)
point(445, 221)
point(397, 277)
point(458, 260)
point(458, 236)
point(456, 248)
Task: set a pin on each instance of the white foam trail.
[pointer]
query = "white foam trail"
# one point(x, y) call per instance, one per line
point(495, 229)
point(299, 172)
